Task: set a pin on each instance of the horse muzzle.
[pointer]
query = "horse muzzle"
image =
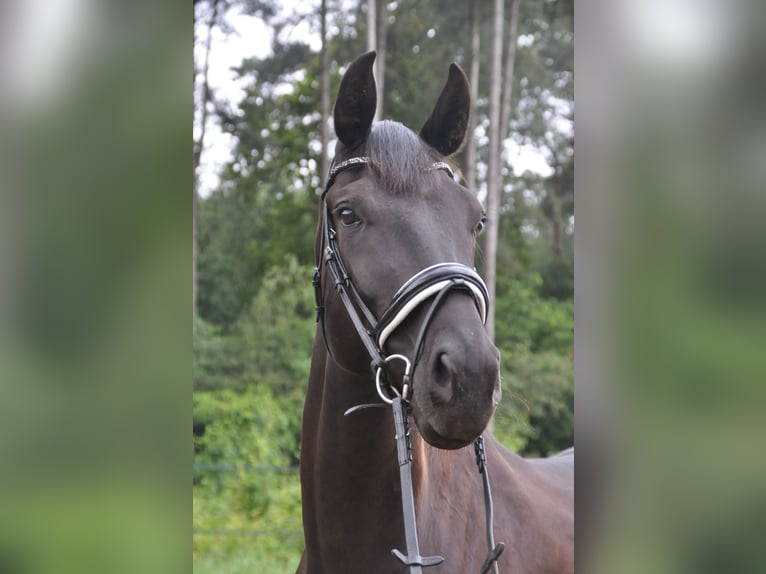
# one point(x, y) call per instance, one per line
point(458, 386)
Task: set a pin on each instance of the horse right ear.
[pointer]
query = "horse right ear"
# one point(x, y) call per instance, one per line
point(445, 129)
point(356, 102)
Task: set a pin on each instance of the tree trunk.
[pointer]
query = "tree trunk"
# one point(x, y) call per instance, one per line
point(194, 186)
point(199, 146)
point(325, 96)
point(194, 245)
point(380, 61)
point(200, 143)
point(470, 152)
point(372, 39)
point(494, 167)
point(510, 57)
point(555, 200)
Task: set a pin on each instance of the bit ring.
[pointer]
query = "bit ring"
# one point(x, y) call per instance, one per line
point(406, 380)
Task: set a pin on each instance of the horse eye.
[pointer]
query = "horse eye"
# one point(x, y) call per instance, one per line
point(348, 218)
point(481, 225)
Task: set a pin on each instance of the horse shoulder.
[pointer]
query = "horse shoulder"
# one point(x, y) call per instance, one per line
point(534, 502)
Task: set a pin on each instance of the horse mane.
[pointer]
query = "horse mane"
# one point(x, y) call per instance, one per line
point(400, 159)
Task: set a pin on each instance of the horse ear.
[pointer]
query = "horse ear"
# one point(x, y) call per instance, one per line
point(356, 101)
point(445, 128)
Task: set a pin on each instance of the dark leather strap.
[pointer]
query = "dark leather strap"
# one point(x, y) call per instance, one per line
point(413, 559)
point(495, 550)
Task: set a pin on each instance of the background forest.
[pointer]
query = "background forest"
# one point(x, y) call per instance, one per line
point(254, 310)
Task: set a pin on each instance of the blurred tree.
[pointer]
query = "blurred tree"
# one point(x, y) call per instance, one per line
point(381, 43)
point(199, 142)
point(208, 15)
point(544, 116)
point(494, 174)
point(324, 107)
point(276, 334)
point(536, 336)
point(265, 207)
point(470, 146)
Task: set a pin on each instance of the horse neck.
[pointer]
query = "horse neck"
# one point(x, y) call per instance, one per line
point(350, 475)
point(348, 463)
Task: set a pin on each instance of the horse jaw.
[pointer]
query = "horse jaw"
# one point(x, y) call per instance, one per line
point(449, 436)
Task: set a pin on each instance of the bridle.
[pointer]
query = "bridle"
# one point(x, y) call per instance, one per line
point(434, 282)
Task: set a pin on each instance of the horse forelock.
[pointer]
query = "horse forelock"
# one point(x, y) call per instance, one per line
point(399, 158)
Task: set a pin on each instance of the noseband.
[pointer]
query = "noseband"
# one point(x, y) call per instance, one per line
point(435, 281)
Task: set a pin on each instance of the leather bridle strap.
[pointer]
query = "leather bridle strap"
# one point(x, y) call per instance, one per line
point(494, 550)
point(350, 297)
point(413, 559)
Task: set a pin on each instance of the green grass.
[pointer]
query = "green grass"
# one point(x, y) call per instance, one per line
point(247, 561)
point(232, 535)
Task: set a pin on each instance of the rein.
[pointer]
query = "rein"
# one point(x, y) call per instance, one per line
point(435, 281)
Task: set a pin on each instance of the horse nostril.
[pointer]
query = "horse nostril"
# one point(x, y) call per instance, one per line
point(442, 377)
point(441, 371)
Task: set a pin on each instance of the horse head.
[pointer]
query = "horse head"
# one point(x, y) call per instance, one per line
point(401, 234)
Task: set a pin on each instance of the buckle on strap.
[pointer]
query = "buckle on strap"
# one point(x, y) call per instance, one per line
point(316, 281)
point(406, 386)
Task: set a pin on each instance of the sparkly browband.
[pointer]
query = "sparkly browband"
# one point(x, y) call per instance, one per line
point(361, 160)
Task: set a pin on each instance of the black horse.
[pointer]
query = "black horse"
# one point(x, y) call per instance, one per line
point(395, 286)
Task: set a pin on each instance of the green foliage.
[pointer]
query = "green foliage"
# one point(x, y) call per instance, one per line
point(536, 338)
point(421, 42)
point(248, 434)
point(241, 236)
point(227, 271)
point(557, 274)
point(253, 336)
point(247, 409)
point(529, 322)
point(536, 412)
point(244, 428)
point(215, 362)
point(269, 344)
point(276, 334)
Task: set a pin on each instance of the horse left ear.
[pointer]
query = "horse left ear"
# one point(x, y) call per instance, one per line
point(445, 128)
point(356, 102)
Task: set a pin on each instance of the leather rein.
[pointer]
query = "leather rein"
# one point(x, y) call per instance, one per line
point(433, 282)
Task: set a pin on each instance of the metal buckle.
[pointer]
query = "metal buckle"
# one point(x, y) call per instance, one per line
point(405, 394)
